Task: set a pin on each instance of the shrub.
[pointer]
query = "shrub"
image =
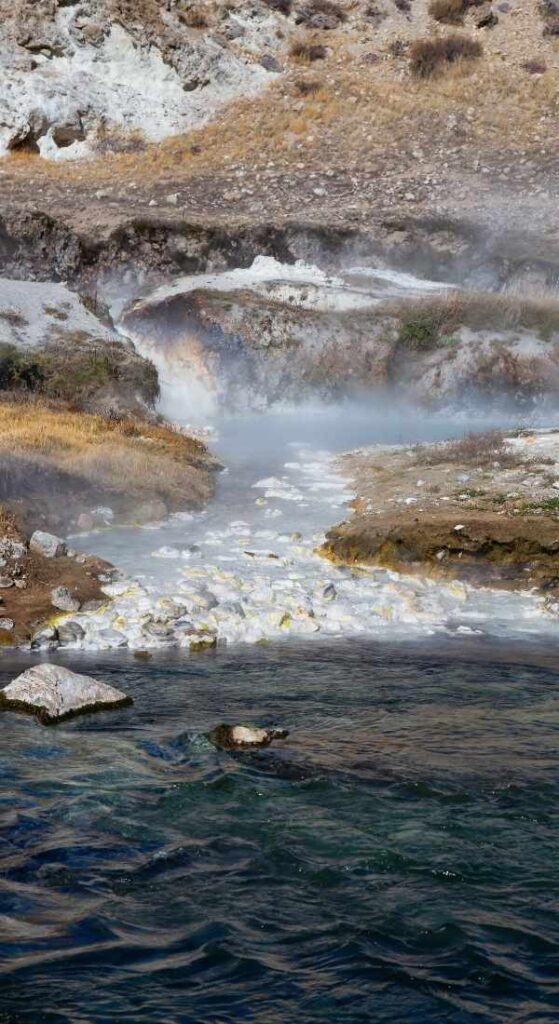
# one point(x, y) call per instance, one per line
point(321, 14)
point(534, 67)
point(448, 12)
point(307, 86)
point(419, 333)
point(427, 56)
point(308, 51)
point(18, 370)
point(552, 26)
point(193, 17)
point(282, 6)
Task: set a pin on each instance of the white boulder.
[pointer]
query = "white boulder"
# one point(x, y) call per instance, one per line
point(54, 693)
point(231, 737)
point(47, 544)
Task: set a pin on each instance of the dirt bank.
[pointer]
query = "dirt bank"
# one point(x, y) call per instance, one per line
point(484, 509)
point(28, 579)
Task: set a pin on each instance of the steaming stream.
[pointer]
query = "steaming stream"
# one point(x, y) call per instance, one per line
point(245, 570)
point(394, 860)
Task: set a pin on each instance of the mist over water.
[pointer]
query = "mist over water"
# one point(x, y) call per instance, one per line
point(393, 861)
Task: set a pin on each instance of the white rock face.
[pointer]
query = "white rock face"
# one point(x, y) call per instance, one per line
point(60, 100)
point(47, 544)
point(35, 313)
point(54, 693)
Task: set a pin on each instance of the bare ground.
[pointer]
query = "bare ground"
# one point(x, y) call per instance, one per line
point(481, 509)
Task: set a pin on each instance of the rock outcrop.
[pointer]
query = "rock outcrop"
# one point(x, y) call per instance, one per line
point(252, 339)
point(107, 73)
point(54, 693)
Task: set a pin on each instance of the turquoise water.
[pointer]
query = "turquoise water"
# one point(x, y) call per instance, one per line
point(394, 860)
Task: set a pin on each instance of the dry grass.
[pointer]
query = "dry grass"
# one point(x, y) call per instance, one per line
point(473, 450)
point(117, 455)
point(308, 52)
point(430, 56)
point(448, 12)
point(427, 322)
point(357, 116)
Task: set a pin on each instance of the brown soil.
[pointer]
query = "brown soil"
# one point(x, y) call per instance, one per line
point(476, 510)
point(30, 607)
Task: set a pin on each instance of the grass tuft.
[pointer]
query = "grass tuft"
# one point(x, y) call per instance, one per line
point(429, 56)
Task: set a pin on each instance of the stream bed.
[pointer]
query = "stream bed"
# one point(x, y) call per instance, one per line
point(394, 860)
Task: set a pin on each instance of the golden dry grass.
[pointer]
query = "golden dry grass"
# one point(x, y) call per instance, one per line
point(357, 111)
point(146, 460)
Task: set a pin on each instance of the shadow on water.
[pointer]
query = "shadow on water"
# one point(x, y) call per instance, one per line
point(394, 860)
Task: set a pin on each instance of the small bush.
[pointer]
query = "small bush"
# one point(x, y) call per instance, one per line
point(552, 26)
point(398, 47)
point(14, 317)
point(479, 449)
point(448, 12)
point(428, 56)
point(534, 67)
point(282, 6)
point(18, 370)
point(308, 51)
point(307, 86)
point(193, 17)
point(321, 14)
point(419, 333)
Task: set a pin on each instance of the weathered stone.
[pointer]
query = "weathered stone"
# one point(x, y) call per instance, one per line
point(62, 599)
point(47, 544)
point(54, 693)
point(92, 606)
point(150, 511)
point(45, 638)
point(85, 521)
point(6, 582)
point(70, 632)
point(232, 737)
point(7, 624)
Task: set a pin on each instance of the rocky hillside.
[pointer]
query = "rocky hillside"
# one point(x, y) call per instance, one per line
point(413, 128)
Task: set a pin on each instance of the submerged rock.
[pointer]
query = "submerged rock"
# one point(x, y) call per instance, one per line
point(233, 737)
point(54, 693)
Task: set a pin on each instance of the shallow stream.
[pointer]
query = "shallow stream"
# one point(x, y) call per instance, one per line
point(394, 860)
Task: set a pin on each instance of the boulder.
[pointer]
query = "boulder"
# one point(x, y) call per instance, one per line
point(238, 737)
point(485, 17)
point(54, 693)
point(70, 632)
point(47, 637)
point(47, 544)
point(62, 599)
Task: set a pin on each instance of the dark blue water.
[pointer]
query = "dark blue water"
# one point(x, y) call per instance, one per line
point(396, 859)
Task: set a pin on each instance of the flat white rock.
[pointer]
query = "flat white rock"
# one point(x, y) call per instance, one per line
point(53, 693)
